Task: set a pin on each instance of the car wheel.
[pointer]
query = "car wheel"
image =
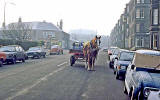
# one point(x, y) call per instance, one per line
point(140, 96)
point(1, 63)
point(38, 56)
point(14, 60)
point(117, 75)
point(110, 65)
point(72, 60)
point(23, 60)
point(125, 90)
point(114, 72)
point(132, 95)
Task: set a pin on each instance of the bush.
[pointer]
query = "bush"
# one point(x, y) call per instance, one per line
point(25, 44)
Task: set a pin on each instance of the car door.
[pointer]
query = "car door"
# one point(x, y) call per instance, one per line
point(21, 52)
point(18, 56)
point(128, 78)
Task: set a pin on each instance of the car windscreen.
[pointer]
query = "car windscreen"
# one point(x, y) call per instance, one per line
point(54, 46)
point(149, 70)
point(149, 52)
point(126, 56)
point(34, 49)
point(115, 52)
point(7, 49)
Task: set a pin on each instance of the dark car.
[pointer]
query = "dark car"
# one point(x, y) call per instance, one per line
point(13, 53)
point(143, 75)
point(36, 52)
point(121, 63)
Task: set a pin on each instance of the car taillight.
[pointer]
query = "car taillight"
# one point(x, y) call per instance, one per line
point(119, 67)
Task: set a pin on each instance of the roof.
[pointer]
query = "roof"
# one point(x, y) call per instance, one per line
point(148, 52)
point(39, 26)
point(146, 61)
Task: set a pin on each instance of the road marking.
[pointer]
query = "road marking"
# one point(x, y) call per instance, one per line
point(26, 90)
point(61, 64)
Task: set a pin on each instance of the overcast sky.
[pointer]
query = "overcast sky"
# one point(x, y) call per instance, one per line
point(100, 15)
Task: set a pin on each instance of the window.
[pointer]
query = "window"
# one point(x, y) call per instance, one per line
point(155, 16)
point(138, 13)
point(142, 1)
point(137, 27)
point(142, 13)
point(155, 41)
point(138, 1)
point(139, 42)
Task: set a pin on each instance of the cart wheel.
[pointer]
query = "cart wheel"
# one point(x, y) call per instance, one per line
point(72, 60)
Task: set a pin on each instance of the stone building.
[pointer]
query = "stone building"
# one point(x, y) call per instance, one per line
point(155, 24)
point(132, 29)
point(139, 23)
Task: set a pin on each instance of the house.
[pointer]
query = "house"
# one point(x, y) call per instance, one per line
point(37, 31)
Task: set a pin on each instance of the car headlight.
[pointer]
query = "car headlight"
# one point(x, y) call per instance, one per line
point(118, 67)
point(146, 92)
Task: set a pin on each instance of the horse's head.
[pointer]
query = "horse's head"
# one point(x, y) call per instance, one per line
point(96, 41)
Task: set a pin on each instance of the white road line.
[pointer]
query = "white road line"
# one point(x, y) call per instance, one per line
point(26, 90)
point(61, 64)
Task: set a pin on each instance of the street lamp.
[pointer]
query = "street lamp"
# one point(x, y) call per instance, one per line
point(5, 11)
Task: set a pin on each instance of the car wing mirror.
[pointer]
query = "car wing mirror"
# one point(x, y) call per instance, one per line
point(116, 58)
point(110, 53)
point(132, 67)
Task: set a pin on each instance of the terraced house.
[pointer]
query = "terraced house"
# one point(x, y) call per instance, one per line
point(139, 23)
point(135, 23)
point(155, 24)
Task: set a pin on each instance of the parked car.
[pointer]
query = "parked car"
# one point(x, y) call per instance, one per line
point(2, 58)
point(111, 49)
point(56, 49)
point(154, 94)
point(142, 75)
point(12, 53)
point(113, 56)
point(36, 52)
point(121, 63)
point(105, 49)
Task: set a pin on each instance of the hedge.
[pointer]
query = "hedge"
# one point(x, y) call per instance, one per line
point(25, 44)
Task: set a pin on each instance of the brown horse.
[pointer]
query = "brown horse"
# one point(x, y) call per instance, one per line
point(90, 52)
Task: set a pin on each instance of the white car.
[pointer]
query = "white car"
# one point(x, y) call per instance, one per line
point(154, 95)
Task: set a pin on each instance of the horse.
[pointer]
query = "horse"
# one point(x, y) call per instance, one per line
point(90, 51)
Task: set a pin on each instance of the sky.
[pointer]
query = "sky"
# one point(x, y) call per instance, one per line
point(97, 15)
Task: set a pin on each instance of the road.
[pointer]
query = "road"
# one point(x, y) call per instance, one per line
point(52, 78)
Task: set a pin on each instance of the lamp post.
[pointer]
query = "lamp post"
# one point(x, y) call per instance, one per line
point(4, 23)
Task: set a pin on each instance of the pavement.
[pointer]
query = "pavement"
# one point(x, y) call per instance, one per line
point(52, 78)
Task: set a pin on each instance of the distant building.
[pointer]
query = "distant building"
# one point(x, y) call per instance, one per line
point(155, 24)
point(42, 31)
point(105, 41)
point(82, 35)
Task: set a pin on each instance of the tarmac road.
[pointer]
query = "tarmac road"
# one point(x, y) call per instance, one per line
point(52, 78)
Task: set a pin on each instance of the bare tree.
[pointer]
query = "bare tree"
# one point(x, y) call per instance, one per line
point(18, 31)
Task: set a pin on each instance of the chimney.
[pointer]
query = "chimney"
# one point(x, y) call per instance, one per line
point(20, 20)
point(61, 24)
